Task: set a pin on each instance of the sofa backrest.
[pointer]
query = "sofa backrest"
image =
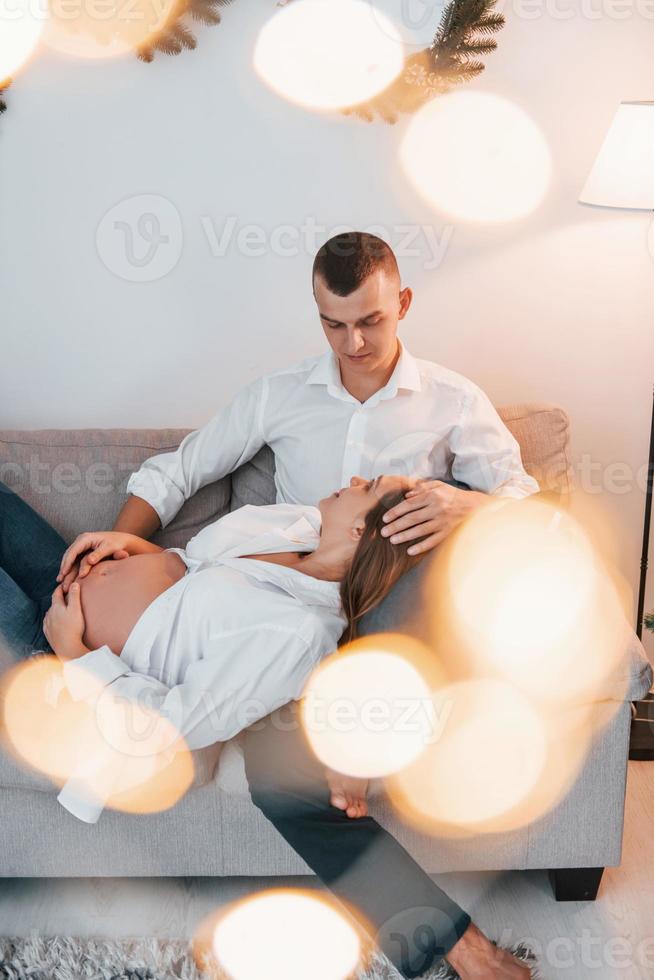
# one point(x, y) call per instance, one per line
point(76, 478)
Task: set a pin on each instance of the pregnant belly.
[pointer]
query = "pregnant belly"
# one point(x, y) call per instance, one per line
point(115, 594)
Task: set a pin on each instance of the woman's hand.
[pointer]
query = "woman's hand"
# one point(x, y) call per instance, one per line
point(94, 546)
point(64, 624)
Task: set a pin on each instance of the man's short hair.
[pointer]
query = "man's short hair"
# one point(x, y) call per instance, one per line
point(345, 261)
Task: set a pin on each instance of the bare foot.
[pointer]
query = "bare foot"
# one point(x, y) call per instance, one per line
point(474, 957)
point(348, 793)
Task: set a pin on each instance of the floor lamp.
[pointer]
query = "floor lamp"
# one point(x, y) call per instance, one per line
point(623, 177)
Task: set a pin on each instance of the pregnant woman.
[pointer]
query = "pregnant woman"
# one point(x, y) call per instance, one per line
point(213, 637)
point(245, 611)
point(220, 634)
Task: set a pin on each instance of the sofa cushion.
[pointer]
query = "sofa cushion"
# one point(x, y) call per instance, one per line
point(254, 482)
point(543, 434)
point(76, 478)
point(405, 610)
point(17, 775)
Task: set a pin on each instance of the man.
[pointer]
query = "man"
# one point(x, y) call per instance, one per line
point(365, 408)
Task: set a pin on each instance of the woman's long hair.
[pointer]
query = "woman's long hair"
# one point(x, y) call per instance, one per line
point(376, 567)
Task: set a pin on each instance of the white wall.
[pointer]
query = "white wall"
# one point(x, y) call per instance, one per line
point(559, 306)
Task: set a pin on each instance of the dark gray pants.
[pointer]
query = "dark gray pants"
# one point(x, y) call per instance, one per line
point(410, 918)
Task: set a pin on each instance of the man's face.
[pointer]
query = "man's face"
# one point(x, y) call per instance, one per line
point(361, 328)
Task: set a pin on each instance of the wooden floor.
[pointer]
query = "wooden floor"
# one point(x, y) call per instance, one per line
point(611, 939)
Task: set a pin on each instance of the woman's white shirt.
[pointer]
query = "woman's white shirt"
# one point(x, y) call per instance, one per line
point(226, 645)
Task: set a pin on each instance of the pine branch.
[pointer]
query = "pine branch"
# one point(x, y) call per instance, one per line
point(182, 34)
point(461, 26)
point(3, 91)
point(167, 43)
point(468, 70)
point(480, 47)
point(176, 36)
point(460, 17)
point(446, 25)
point(491, 24)
point(464, 35)
point(203, 11)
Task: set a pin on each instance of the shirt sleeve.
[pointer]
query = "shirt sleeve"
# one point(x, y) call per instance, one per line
point(486, 455)
point(239, 680)
point(230, 438)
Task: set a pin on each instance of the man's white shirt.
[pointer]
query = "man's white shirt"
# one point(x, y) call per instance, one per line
point(427, 421)
point(226, 645)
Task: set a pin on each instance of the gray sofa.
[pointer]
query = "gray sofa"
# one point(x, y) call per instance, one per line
point(76, 479)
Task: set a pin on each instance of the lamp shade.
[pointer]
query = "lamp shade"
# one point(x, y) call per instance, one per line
point(623, 173)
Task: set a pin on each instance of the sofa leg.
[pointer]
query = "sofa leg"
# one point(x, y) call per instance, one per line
point(576, 884)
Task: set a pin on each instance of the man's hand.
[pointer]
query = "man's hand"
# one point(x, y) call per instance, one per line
point(70, 577)
point(431, 508)
point(93, 546)
point(64, 624)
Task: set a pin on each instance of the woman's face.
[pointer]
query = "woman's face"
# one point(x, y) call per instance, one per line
point(346, 509)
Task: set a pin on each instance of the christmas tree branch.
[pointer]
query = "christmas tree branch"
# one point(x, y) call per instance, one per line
point(465, 34)
point(175, 36)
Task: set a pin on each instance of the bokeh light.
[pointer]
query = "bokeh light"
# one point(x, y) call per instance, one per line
point(41, 725)
point(286, 935)
point(118, 752)
point(23, 23)
point(527, 599)
point(477, 157)
point(417, 20)
point(97, 29)
point(529, 623)
point(367, 710)
point(328, 54)
point(490, 755)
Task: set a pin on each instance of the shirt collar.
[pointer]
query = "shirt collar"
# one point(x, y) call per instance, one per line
point(305, 531)
point(406, 375)
point(303, 528)
point(312, 591)
point(407, 372)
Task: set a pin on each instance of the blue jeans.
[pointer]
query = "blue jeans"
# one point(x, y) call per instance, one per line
point(30, 555)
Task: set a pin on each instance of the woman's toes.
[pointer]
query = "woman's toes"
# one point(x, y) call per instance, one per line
point(339, 801)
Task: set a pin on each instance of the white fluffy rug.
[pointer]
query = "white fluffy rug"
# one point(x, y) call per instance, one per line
point(66, 958)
